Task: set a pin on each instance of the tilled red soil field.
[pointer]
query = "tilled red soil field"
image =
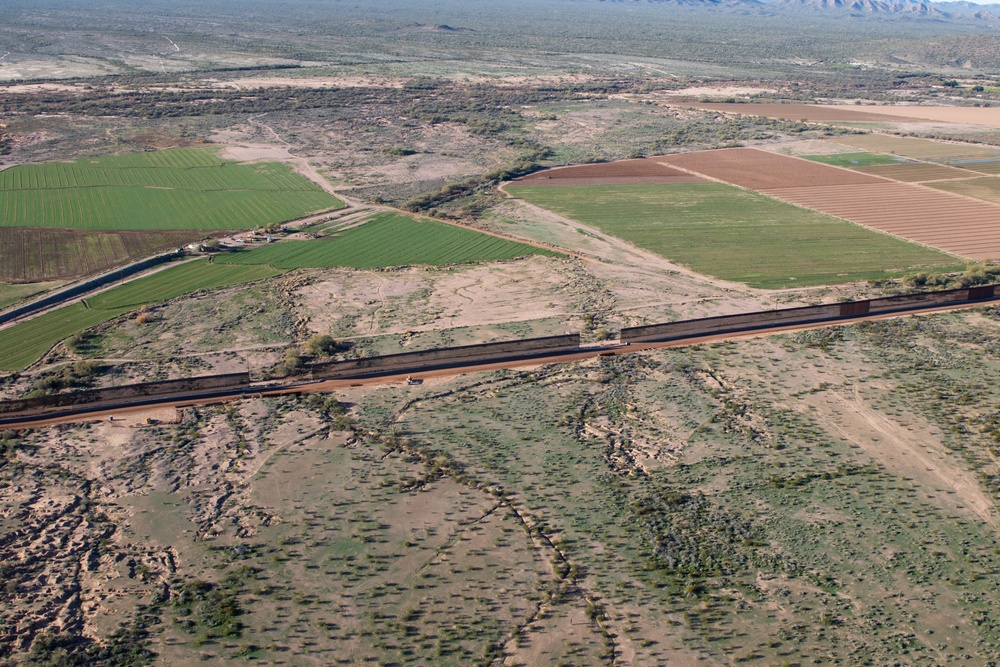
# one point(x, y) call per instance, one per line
point(625, 172)
point(914, 172)
point(953, 223)
point(755, 169)
point(939, 219)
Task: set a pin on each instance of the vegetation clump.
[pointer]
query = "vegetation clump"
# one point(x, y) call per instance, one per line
point(212, 609)
point(71, 376)
point(977, 274)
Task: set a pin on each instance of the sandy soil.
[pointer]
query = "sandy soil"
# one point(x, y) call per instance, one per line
point(578, 127)
point(251, 152)
point(807, 147)
point(422, 167)
point(414, 300)
point(41, 88)
point(528, 80)
point(241, 150)
point(59, 67)
point(719, 90)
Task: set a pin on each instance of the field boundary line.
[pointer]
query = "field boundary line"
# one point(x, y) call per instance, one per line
point(963, 258)
point(826, 213)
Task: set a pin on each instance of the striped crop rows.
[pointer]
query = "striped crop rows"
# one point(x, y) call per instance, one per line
point(192, 190)
point(389, 240)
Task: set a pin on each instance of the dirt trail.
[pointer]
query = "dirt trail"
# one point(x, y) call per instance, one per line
point(912, 451)
point(380, 291)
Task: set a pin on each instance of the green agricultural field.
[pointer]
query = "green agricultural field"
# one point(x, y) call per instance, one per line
point(25, 343)
point(175, 189)
point(11, 294)
point(387, 240)
point(854, 159)
point(737, 235)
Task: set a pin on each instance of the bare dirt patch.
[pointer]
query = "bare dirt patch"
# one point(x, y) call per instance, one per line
point(719, 90)
point(360, 303)
point(249, 153)
point(29, 88)
point(422, 167)
point(960, 115)
point(799, 147)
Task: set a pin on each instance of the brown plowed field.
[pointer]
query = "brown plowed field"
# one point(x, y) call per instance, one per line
point(804, 112)
point(759, 170)
point(939, 219)
point(625, 172)
point(915, 172)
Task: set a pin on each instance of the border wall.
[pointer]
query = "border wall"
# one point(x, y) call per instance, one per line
point(123, 393)
point(446, 357)
point(805, 315)
point(485, 353)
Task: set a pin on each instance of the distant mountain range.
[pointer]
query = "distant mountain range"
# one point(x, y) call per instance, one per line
point(904, 8)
